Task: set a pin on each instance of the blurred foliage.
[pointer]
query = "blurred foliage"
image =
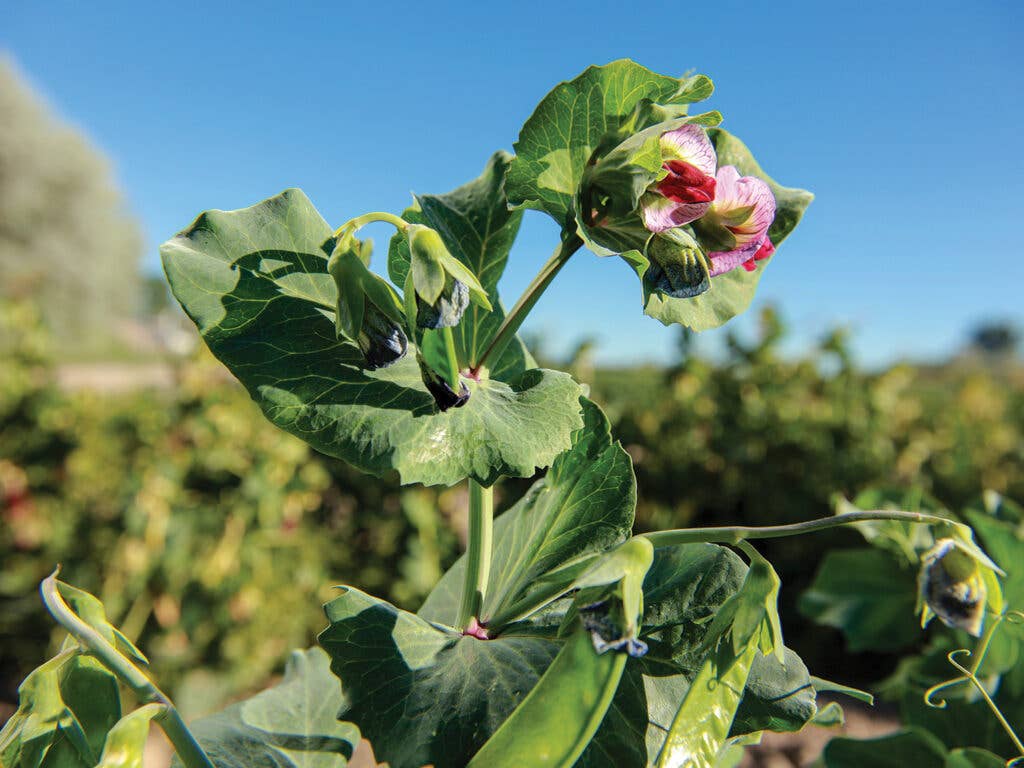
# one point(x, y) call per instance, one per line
point(65, 235)
point(209, 534)
point(212, 537)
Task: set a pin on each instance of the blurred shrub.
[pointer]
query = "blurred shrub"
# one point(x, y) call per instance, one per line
point(212, 536)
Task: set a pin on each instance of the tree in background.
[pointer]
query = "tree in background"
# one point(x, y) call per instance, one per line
point(66, 239)
point(996, 338)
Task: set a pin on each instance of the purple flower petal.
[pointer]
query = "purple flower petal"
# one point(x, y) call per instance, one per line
point(726, 261)
point(690, 143)
point(733, 192)
point(660, 213)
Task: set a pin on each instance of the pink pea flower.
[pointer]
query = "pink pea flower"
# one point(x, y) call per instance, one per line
point(744, 207)
point(686, 192)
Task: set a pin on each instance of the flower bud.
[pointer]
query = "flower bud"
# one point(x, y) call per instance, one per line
point(600, 619)
point(443, 285)
point(444, 394)
point(368, 311)
point(677, 265)
point(381, 340)
point(952, 586)
point(447, 311)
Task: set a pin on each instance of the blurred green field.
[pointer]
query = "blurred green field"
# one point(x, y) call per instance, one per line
point(212, 537)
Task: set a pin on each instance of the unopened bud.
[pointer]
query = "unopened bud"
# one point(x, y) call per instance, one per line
point(952, 586)
point(444, 394)
point(677, 265)
point(447, 311)
point(368, 311)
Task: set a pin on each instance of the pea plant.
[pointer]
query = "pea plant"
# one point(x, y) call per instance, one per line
point(559, 638)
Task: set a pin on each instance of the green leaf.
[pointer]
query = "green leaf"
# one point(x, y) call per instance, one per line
point(427, 276)
point(865, 594)
point(751, 615)
point(423, 694)
point(584, 506)
point(127, 739)
point(294, 724)
point(567, 126)
point(255, 283)
point(778, 697)
point(65, 709)
point(556, 721)
point(478, 229)
point(829, 716)
point(822, 685)
point(911, 747)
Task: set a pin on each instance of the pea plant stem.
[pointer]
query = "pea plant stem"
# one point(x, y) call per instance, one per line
point(569, 245)
point(368, 218)
point(185, 744)
point(736, 534)
point(478, 553)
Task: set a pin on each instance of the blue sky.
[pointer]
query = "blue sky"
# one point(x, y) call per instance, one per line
point(903, 117)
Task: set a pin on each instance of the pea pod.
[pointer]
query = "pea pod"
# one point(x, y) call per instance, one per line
point(555, 722)
point(701, 726)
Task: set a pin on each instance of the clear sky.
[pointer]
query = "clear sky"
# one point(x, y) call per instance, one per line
point(904, 118)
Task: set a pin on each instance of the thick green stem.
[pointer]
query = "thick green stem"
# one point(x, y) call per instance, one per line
point(368, 218)
point(522, 308)
point(478, 553)
point(188, 749)
point(736, 534)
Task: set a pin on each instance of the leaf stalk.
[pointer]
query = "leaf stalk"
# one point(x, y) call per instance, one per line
point(368, 218)
point(514, 319)
point(738, 533)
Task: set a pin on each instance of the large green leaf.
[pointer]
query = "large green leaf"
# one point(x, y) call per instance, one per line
point(558, 139)
point(423, 694)
point(867, 595)
point(255, 283)
point(478, 228)
point(291, 725)
point(65, 709)
point(584, 506)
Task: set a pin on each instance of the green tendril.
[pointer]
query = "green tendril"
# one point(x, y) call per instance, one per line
point(969, 675)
